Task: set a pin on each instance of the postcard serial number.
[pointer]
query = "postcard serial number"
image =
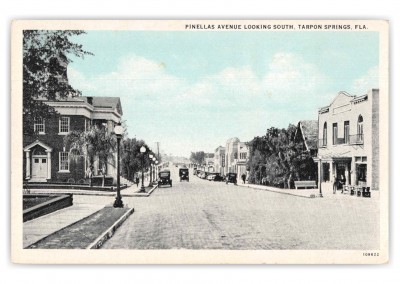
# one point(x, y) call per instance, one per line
point(370, 253)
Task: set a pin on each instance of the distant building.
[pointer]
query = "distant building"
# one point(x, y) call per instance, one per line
point(348, 131)
point(219, 160)
point(209, 162)
point(236, 156)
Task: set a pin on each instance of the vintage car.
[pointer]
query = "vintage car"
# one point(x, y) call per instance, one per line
point(231, 178)
point(164, 178)
point(184, 174)
point(218, 177)
point(211, 176)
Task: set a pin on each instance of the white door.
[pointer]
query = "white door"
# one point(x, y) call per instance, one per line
point(39, 168)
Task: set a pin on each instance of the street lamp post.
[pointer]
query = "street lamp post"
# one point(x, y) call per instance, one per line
point(154, 168)
point(118, 130)
point(142, 150)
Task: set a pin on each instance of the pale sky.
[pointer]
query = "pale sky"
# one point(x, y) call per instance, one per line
point(192, 90)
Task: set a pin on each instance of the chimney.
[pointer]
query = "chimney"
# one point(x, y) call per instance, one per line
point(90, 100)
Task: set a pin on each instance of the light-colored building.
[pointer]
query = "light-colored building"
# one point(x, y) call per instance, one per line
point(348, 146)
point(236, 157)
point(219, 160)
point(209, 163)
point(231, 153)
point(241, 161)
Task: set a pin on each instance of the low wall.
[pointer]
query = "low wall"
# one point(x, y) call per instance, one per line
point(72, 186)
point(54, 204)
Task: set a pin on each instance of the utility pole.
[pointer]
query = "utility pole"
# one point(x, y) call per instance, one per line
point(158, 150)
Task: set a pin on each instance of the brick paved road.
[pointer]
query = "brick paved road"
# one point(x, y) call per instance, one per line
point(208, 215)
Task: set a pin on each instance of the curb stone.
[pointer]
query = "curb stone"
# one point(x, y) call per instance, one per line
point(138, 194)
point(287, 193)
point(95, 193)
point(96, 244)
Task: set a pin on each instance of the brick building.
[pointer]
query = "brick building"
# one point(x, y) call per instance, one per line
point(46, 159)
point(348, 132)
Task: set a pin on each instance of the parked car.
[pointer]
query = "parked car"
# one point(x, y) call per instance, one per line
point(194, 171)
point(184, 174)
point(164, 178)
point(211, 177)
point(231, 178)
point(218, 177)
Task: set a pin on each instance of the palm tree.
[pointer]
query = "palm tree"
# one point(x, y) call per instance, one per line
point(94, 143)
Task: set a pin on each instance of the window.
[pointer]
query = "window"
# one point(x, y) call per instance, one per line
point(38, 126)
point(64, 161)
point(334, 133)
point(243, 155)
point(64, 125)
point(360, 129)
point(326, 171)
point(325, 135)
point(361, 171)
point(346, 132)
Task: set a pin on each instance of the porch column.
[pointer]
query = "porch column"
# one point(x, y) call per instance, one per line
point(28, 164)
point(319, 173)
point(331, 172)
point(353, 172)
point(48, 164)
point(347, 174)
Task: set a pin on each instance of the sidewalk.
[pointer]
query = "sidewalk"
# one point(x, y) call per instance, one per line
point(131, 191)
point(307, 193)
point(43, 226)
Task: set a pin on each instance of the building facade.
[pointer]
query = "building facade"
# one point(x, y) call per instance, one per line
point(46, 159)
point(219, 160)
point(236, 157)
point(348, 146)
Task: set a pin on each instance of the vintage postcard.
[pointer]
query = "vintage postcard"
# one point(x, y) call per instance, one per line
point(200, 142)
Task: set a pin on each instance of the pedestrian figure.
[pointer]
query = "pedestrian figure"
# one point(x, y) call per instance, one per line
point(335, 184)
point(244, 178)
point(342, 182)
point(137, 181)
point(264, 181)
point(89, 175)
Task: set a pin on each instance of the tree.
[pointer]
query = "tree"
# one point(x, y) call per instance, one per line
point(198, 157)
point(45, 60)
point(131, 158)
point(277, 158)
point(94, 143)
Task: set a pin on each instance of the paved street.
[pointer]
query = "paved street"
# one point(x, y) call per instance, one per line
point(209, 215)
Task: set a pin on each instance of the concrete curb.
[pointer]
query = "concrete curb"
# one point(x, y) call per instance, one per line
point(96, 244)
point(92, 193)
point(147, 194)
point(275, 191)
